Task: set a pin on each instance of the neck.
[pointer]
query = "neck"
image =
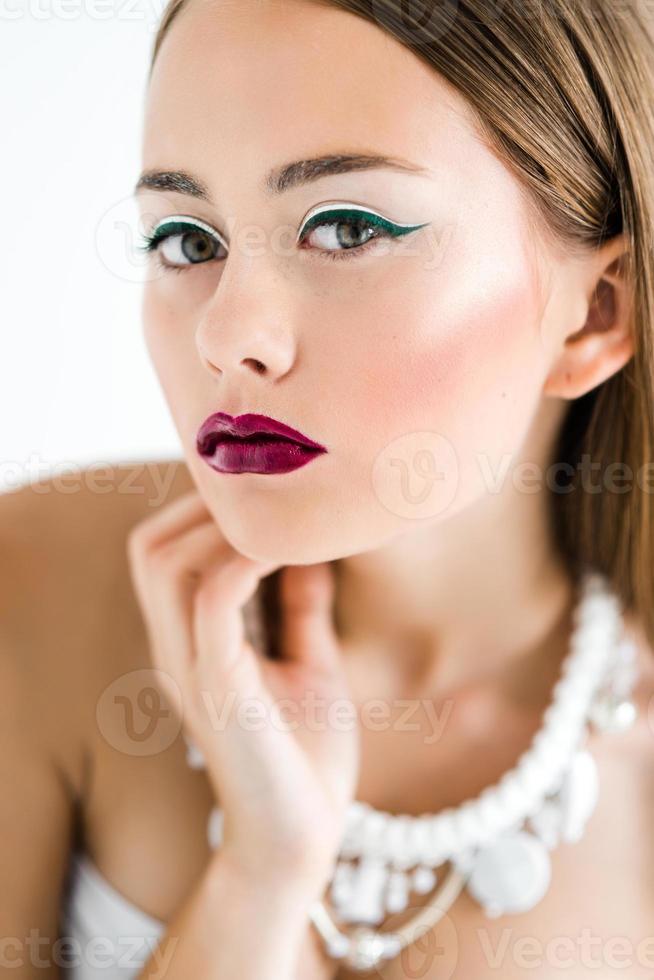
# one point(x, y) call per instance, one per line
point(462, 603)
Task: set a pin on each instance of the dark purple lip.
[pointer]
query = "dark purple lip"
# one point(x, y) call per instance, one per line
point(253, 443)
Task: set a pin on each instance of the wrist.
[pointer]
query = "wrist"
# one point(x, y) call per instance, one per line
point(294, 884)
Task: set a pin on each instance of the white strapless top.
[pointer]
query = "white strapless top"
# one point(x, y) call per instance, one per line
point(110, 937)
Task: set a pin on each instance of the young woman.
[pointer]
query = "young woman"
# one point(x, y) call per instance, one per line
point(401, 305)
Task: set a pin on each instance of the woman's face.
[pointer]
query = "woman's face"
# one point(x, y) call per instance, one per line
point(417, 360)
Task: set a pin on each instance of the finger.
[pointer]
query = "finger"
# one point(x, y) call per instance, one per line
point(307, 626)
point(167, 525)
point(218, 623)
point(168, 576)
point(185, 511)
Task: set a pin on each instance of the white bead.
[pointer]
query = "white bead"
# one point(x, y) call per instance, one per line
point(443, 837)
point(392, 944)
point(397, 892)
point(356, 811)
point(215, 827)
point(579, 663)
point(559, 757)
point(421, 839)
point(338, 946)
point(530, 774)
point(609, 715)
point(423, 880)
point(373, 831)
point(546, 822)
point(342, 884)
point(367, 948)
point(555, 717)
point(491, 812)
point(543, 752)
point(577, 689)
point(511, 797)
point(355, 827)
point(624, 715)
point(467, 823)
point(194, 757)
point(368, 885)
point(396, 841)
point(464, 860)
point(578, 795)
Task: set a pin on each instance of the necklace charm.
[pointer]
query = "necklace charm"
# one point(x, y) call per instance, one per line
point(368, 948)
point(578, 796)
point(510, 875)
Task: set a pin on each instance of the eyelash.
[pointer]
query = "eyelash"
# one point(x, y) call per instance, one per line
point(386, 230)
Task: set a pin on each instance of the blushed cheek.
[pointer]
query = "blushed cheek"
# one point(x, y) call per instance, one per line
point(470, 370)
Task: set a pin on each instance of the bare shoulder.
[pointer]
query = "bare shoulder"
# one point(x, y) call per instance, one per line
point(69, 619)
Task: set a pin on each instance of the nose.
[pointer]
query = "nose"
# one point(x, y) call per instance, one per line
point(246, 328)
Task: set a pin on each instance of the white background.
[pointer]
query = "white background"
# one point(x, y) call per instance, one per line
point(76, 384)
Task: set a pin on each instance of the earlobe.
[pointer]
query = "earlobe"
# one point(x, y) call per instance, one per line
point(605, 343)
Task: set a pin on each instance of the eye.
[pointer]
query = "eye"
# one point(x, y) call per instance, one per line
point(345, 232)
point(182, 242)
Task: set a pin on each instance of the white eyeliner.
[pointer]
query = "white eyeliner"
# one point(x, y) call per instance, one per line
point(338, 206)
point(188, 220)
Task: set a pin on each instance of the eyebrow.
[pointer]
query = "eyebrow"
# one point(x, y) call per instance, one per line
point(280, 179)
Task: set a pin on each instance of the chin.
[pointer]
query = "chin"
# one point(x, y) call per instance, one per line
point(284, 548)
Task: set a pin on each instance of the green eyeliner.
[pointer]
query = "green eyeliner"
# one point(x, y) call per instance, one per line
point(323, 215)
point(177, 225)
point(357, 214)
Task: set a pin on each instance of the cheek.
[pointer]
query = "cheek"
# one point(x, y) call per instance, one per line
point(464, 362)
point(166, 334)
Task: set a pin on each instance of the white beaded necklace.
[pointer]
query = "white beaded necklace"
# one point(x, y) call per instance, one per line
point(498, 842)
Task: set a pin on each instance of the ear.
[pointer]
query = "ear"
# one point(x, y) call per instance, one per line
point(605, 343)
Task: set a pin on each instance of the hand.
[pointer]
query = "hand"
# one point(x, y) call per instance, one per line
point(284, 793)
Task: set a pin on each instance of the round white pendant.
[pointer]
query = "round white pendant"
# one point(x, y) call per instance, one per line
point(510, 875)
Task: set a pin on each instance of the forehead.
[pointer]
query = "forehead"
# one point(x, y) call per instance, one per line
point(246, 84)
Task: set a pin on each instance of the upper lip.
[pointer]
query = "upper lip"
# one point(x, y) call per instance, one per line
point(221, 426)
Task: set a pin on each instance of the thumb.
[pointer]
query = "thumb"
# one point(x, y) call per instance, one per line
point(307, 626)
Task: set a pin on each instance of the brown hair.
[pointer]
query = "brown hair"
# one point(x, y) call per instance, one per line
point(564, 91)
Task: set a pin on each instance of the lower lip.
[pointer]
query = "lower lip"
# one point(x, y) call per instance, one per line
point(260, 456)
